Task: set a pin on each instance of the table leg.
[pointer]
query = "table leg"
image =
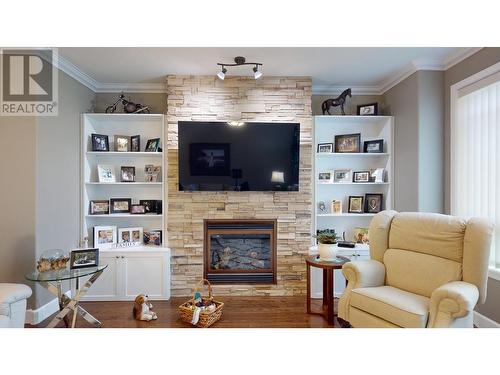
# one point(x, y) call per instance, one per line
point(329, 293)
point(325, 283)
point(308, 288)
point(88, 317)
point(61, 300)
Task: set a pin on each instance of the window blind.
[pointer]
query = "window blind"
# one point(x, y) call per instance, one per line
point(475, 157)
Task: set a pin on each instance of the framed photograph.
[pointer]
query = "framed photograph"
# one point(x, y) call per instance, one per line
point(127, 174)
point(99, 207)
point(100, 142)
point(106, 173)
point(122, 143)
point(361, 176)
point(151, 206)
point(373, 203)
point(84, 258)
point(152, 173)
point(137, 209)
point(361, 235)
point(377, 175)
point(135, 143)
point(374, 146)
point(336, 207)
point(368, 109)
point(120, 205)
point(355, 204)
point(322, 208)
point(153, 145)
point(325, 177)
point(325, 148)
point(342, 176)
point(104, 236)
point(209, 159)
point(130, 235)
point(348, 143)
point(152, 237)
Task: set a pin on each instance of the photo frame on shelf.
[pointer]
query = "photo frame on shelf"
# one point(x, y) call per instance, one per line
point(152, 173)
point(135, 143)
point(119, 205)
point(325, 177)
point(367, 109)
point(153, 145)
point(342, 176)
point(99, 207)
point(374, 146)
point(152, 238)
point(373, 203)
point(348, 143)
point(361, 177)
point(377, 175)
point(106, 173)
point(130, 235)
point(137, 209)
point(361, 235)
point(322, 207)
point(122, 143)
point(325, 148)
point(127, 174)
point(151, 206)
point(104, 236)
point(355, 205)
point(84, 258)
point(336, 207)
point(100, 142)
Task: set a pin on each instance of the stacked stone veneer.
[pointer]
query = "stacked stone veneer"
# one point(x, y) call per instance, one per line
point(271, 99)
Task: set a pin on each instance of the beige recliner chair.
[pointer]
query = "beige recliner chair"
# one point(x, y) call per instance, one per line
point(426, 270)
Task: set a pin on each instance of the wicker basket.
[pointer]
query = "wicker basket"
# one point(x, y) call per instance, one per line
point(186, 310)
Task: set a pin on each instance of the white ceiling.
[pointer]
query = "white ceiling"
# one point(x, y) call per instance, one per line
point(367, 70)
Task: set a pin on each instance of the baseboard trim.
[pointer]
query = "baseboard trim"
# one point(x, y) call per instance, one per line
point(36, 316)
point(481, 321)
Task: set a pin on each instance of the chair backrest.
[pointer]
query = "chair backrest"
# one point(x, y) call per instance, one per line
point(422, 251)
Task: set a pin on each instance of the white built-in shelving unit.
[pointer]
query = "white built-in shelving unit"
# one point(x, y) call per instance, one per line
point(135, 270)
point(324, 131)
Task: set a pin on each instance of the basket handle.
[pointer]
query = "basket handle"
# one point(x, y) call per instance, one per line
point(200, 285)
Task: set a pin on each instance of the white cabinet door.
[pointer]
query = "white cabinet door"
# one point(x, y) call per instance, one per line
point(107, 286)
point(146, 274)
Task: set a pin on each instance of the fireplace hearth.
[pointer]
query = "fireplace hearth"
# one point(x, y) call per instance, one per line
point(240, 251)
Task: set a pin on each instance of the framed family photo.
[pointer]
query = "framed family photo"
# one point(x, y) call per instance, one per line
point(368, 109)
point(99, 207)
point(373, 203)
point(363, 176)
point(325, 177)
point(325, 148)
point(153, 145)
point(126, 235)
point(106, 173)
point(347, 143)
point(84, 258)
point(100, 142)
point(122, 143)
point(342, 176)
point(375, 146)
point(355, 205)
point(135, 143)
point(127, 174)
point(119, 205)
point(104, 236)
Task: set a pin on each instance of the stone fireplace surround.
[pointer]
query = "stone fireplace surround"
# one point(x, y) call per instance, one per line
point(271, 99)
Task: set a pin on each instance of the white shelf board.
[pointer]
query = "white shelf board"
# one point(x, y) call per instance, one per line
point(137, 249)
point(121, 153)
point(350, 154)
point(137, 183)
point(344, 214)
point(108, 216)
point(353, 183)
point(125, 116)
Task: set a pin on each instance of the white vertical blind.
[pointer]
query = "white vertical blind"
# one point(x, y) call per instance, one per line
point(475, 161)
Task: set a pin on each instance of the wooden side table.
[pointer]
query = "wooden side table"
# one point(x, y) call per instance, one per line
point(328, 268)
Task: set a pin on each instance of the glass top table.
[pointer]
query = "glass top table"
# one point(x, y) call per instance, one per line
point(64, 274)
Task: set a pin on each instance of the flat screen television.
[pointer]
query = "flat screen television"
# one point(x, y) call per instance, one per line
point(215, 156)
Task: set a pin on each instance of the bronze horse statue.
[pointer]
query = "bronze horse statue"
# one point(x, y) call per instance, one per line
point(339, 101)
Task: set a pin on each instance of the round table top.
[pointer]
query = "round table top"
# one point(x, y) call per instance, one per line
point(64, 274)
point(314, 261)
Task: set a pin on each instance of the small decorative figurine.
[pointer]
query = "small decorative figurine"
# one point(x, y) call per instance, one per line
point(142, 309)
point(339, 101)
point(128, 106)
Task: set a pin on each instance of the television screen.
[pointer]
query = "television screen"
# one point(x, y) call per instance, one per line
point(215, 156)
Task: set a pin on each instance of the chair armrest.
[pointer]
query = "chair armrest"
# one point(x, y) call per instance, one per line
point(364, 273)
point(451, 301)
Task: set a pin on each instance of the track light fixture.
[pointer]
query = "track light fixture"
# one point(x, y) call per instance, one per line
point(240, 60)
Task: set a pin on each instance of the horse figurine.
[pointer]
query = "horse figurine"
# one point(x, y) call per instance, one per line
point(340, 101)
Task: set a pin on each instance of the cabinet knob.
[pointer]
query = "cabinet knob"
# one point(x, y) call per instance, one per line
point(123, 256)
point(117, 257)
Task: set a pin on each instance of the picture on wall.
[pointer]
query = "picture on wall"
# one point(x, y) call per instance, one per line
point(99, 207)
point(355, 204)
point(374, 146)
point(373, 203)
point(100, 142)
point(126, 235)
point(120, 205)
point(127, 174)
point(209, 159)
point(106, 173)
point(84, 258)
point(346, 143)
point(104, 236)
point(122, 143)
point(135, 143)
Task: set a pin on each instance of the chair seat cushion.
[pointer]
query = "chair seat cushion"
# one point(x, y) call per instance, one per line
point(10, 293)
point(394, 305)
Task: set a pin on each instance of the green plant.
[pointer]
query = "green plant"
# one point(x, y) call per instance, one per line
point(328, 237)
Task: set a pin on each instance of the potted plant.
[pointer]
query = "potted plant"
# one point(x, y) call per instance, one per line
point(327, 245)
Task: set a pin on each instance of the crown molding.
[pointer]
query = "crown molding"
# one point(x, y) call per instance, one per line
point(459, 57)
point(70, 69)
point(337, 90)
point(148, 88)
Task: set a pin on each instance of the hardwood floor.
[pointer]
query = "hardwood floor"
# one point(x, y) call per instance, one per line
point(239, 312)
